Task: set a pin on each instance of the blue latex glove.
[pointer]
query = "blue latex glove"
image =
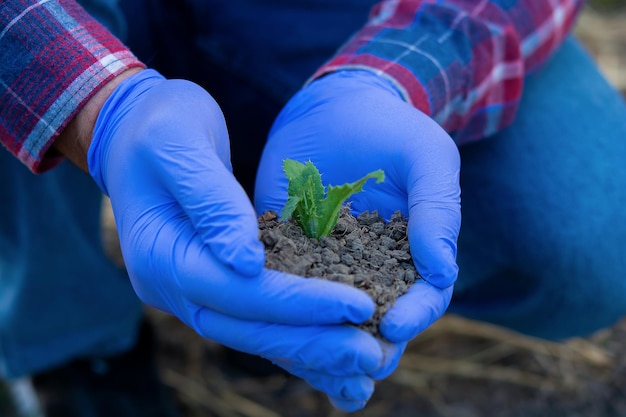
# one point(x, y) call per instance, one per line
point(354, 122)
point(189, 237)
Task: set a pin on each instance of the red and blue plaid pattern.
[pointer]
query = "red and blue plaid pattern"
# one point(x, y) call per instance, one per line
point(54, 58)
point(462, 62)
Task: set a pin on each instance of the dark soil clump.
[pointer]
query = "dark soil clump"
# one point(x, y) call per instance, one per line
point(365, 252)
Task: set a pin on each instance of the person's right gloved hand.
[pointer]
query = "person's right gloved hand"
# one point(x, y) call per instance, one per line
point(352, 122)
point(189, 237)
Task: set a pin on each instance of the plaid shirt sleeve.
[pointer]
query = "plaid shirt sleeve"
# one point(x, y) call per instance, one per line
point(462, 62)
point(53, 58)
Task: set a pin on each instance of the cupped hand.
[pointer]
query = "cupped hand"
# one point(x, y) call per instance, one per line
point(350, 123)
point(189, 237)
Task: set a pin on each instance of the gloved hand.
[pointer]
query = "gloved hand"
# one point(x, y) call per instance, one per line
point(353, 122)
point(189, 237)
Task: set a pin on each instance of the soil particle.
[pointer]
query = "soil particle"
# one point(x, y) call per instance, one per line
point(365, 252)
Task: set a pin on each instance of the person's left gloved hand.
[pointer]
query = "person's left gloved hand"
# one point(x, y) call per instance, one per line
point(351, 123)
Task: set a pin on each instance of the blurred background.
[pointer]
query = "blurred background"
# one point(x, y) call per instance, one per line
point(458, 368)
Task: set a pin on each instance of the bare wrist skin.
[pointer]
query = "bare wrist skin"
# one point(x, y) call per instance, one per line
point(74, 140)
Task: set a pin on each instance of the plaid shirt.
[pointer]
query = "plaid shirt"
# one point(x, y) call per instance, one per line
point(462, 62)
point(53, 58)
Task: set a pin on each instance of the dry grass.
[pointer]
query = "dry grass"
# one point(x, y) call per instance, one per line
point(443, 372)
point(604, 33)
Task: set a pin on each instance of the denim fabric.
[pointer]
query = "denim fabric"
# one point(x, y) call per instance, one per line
point(539, 252)
point(544, 225)
point(108, 13)
point(60, 296)
point(251, 55)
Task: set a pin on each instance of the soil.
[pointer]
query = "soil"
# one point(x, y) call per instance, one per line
point(365, 252)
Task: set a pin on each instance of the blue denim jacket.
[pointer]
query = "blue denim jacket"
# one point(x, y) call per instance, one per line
point(250, 38)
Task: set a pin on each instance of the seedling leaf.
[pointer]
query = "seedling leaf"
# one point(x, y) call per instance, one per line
point(314, 212)
point(338, 195)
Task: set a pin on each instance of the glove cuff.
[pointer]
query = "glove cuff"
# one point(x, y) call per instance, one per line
point(113, 111)
point(364, 76)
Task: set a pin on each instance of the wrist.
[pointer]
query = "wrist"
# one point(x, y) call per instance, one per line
point(74, 141)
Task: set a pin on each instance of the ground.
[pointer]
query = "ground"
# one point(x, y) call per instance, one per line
point(457, 368)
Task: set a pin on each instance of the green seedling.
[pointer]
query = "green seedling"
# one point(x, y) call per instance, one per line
point(314, 210)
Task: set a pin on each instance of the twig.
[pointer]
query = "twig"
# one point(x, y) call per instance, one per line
point(439, 366)
point(582, 349)
point(228, 404)
point(195, 394)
